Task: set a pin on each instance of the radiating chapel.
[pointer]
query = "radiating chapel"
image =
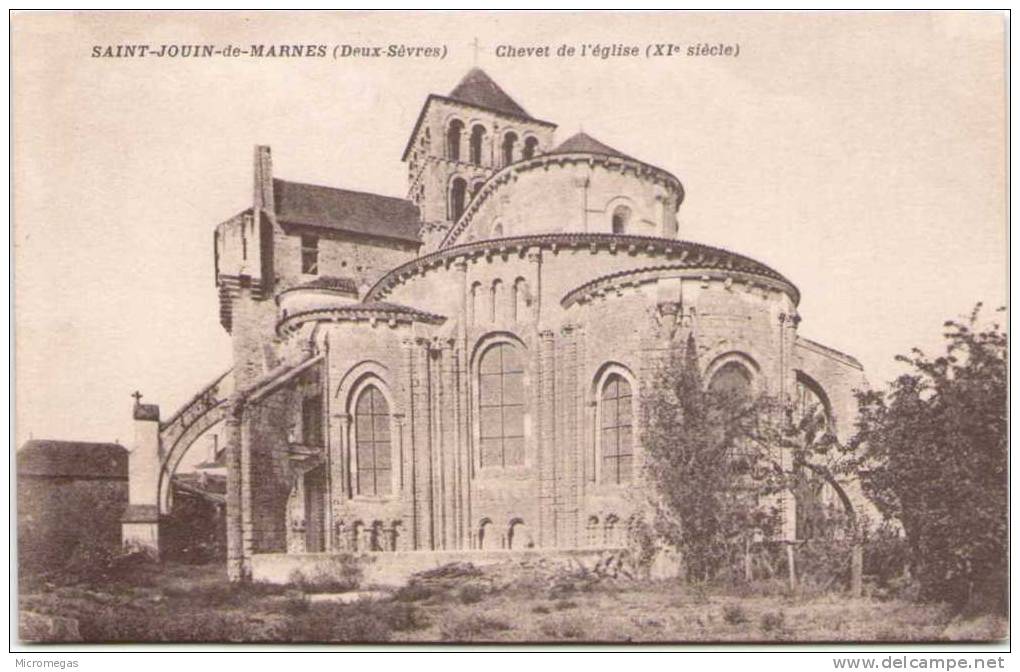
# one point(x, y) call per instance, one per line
point(460, 370)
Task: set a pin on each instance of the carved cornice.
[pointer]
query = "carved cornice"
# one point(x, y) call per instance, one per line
point(701, 268)
point(678, 255)
point(545, 161)
point(390, 314)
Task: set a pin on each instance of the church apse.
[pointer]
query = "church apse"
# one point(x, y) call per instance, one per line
point(460, 371)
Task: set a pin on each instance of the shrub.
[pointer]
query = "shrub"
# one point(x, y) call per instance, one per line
point(540, 609)
point(564, 628)
point(562, 605)
point(773, 620)
point(473, 628)
point(416, 592)
point(936, 447)
point(886, 555)
point(734, 614)
point(296, 603)
point(471, 594)
point(324, 623)
point(401, 617)
point(343, 574)
point(823, 564)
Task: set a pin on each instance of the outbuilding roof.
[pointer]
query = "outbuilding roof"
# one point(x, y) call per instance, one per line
point(343, 210)
point(346, 285)
point(72, 459)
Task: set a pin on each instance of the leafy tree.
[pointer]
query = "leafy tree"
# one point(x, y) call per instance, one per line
point(932, 454)
point(710, 478)
point(719, 459)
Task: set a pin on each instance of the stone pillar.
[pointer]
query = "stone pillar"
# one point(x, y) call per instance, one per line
point(547, 472)
point(788, 503)
point(140, 523)
point(569, 442)
point(235, 546)
point(534, 256)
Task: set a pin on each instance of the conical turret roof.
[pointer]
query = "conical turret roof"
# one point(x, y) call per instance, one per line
point(582, 143)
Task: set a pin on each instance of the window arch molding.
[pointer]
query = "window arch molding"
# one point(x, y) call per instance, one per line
point(509, 146)
point(458, 196)
point(616, 203)
point(594, 466)
point(529, 146)
point(454, 121)
point(747, 361)
point(479, 141)
point(815, 388)
point(484, 345)
point(353, 392)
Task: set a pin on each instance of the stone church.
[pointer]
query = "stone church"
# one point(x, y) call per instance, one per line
point(460, 370)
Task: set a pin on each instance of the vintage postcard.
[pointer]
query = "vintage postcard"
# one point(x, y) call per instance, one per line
point(510, 327)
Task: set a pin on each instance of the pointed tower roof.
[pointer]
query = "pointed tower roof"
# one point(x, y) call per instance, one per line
point(478, 89)
point(582, 143)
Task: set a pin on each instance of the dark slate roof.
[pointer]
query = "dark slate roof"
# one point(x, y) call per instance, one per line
point(343, 210)
point(147, 412)
point(478, 89)
point(76, 459)
point(210, 487)
point(582, 143)
point(346, 285)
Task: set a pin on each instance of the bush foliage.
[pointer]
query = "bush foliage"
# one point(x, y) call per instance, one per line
point(933, 453)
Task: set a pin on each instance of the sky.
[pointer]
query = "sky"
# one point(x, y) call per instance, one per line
point(861, 155)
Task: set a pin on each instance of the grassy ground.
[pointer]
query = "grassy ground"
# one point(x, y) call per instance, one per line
point(194, 603)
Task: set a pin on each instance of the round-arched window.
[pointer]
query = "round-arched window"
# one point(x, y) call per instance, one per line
point(732, 378)
point(372, 443)
point(617, 430)
point(621, 217)
point(458, 198)
point(477, 139)
point(453, 134)
point(501, 406)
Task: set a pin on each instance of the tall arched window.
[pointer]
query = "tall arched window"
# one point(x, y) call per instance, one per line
point(621, 216)
point(476, 187)
point(501, 406)
point(732, 378)
point(519, 299)
point(509, 144)
point(496, 301)
point(476, 290)
point(372, 443)
point(453, 134)
point(477, 140)
point(617, 430)
point(530, 147)
point(458, 194)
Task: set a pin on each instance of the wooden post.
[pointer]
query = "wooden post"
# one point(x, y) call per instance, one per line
point(748, 573)
point(790, 566)
point(857, 569)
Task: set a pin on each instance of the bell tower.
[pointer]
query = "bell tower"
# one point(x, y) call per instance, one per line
point(460, 141)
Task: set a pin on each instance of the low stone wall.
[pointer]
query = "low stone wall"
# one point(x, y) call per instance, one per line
point(395, 568)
